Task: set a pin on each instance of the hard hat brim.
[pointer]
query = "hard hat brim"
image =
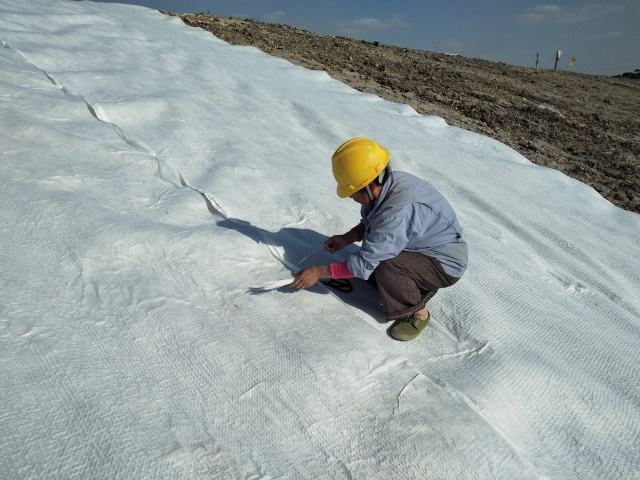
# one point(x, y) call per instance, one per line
point(344, 192)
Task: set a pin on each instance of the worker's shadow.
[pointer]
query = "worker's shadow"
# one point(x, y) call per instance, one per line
point(298, 248)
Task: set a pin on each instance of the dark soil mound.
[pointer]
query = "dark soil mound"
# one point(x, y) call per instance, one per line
point(635, 74)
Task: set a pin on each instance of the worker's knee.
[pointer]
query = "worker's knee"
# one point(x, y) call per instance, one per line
point(386, 268)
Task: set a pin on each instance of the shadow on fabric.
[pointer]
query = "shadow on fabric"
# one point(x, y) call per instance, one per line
point(298, 248)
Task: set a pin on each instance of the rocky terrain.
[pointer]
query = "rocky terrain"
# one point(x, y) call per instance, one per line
point(587, 126)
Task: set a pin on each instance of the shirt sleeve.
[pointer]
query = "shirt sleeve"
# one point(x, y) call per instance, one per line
point(385, 238)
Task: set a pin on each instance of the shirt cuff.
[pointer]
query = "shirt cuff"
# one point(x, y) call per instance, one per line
point(340, 270)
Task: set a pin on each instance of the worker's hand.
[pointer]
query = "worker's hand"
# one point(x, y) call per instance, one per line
point(336, 243)
point(309, 276)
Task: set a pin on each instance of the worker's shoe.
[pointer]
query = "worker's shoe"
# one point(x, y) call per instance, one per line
point(410, 327)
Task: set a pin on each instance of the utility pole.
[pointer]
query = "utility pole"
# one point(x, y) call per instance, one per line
point(558, 55)
point(537, 59)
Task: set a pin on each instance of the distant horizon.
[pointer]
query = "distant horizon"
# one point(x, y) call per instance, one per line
point(336, 35)
point(594, 38)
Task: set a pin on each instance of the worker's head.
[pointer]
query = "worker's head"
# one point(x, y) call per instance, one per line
point(359, 166)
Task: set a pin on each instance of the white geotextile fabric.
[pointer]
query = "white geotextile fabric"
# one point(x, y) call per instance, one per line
point(155, 183)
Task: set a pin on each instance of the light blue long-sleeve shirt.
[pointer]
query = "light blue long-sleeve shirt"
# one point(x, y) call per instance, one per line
point(409, 214)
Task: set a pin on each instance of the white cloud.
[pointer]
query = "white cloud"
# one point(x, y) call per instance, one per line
point(558, 13)
point(367, 24)
point(273, 17)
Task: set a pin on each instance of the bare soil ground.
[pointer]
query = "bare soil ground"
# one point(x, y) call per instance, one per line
point(587, 126)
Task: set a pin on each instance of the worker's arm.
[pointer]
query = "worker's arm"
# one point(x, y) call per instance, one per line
point(356, 234)
point(310, 275)
point(338, 242)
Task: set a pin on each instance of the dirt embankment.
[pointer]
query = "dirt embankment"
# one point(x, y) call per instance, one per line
point(584, 125)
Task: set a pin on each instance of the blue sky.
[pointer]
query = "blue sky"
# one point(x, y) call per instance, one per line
point(604, 38)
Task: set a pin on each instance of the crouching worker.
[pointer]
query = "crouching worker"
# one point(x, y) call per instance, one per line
point(411, 239)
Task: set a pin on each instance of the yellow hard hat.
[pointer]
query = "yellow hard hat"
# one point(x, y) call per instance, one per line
point(356, 163)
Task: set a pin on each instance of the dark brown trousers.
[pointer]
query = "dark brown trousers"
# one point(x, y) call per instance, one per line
point(407, 281)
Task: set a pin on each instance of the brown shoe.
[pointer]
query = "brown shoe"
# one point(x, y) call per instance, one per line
point(410, 327)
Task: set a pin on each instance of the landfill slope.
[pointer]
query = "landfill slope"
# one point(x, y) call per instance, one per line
point(587, 126)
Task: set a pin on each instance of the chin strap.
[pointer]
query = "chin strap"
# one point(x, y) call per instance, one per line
point(369, 194)
point(368, 190)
